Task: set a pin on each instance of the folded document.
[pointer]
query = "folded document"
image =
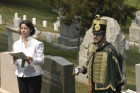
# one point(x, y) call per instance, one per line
point(18, 55)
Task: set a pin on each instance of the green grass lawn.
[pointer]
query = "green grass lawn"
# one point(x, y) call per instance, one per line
point(42, 11)
point(133, 57)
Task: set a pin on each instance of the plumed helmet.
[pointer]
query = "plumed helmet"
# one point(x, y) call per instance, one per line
point(99, 25)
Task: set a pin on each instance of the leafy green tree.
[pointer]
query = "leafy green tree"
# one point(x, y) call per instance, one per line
point(87, 9)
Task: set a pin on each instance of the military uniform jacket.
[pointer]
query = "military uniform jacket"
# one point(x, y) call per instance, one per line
point(103, 67)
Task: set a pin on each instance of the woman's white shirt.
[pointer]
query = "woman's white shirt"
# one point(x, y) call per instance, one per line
point(34, 49)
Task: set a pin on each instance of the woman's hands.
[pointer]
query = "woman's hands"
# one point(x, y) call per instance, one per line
point(15, 58)
point(28, 58)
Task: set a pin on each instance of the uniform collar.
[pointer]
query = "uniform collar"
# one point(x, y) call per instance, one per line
point(101, 46)
point(101, 43)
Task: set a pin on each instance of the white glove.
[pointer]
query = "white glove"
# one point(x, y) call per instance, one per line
point(78, 69)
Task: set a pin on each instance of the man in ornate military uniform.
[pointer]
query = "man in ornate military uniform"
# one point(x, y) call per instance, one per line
point(104, 63)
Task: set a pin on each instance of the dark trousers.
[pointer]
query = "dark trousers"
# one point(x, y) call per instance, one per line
point(29, 84)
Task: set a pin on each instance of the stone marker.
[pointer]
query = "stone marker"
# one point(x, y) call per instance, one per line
point(58, 75)
point(44, 23)
point(134, 33)
point(16, 15)
point(68, 39)
point(0, 19)
point(127, 45)
point(24, 17)
point(68, 35)
point(137, 69)
point(8, 78)
point(16, 21)
point(36, 33)
point(58, 21)
point(48, 37)
point(34, 21)
point(13, 35)
point(114, 36)
point(55, 27)
point(139, 47)
point(134, 29)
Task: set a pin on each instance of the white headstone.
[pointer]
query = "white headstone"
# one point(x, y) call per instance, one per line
point(139, 47)
point(127, 45)
point(9, 80)
point(24, 17)
point(16, 21)
point(0, 19)
point(36, 33)
point(16, 15)
point(58, 21)
point(48, 37)
point(134, 29)
point(44, 23)
point(34, 21)
point(137, 69)
point(55, 27)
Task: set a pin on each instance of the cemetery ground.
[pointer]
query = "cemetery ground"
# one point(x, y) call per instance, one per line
point(7, 11)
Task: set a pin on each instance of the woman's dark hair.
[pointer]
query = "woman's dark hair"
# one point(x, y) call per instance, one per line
point(28, 24)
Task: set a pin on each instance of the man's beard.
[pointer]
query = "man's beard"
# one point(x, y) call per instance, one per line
point(96, 40)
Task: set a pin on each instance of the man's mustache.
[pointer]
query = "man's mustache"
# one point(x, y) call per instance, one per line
point(95, 39)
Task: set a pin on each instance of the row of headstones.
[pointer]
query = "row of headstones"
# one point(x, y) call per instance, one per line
point(48, 34)
point(135, 44)
point(17, 20)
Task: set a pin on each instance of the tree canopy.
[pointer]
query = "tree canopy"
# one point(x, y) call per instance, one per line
point(87, 9)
